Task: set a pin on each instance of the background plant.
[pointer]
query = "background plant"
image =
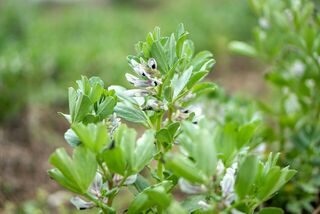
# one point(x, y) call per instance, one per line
point(287, 41)
point(45, 45)
point(107, 156)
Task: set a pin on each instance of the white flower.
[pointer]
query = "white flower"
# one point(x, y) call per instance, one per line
point(289, 14)
point(154, 105)
point(185, 113)
point(81, 204)
point(137, 92)
point(142, 83)
point(292, 104)
point(130, 180)
point(204, 205)
point(152, 63)
point(310, 83)
point(227, 184)
point(220, 167)
point(297, 68)
point(139, 68)
point(261, 148)
point(96, 185)
point(296, 4)
point(264, 23)
point(189, 188)
point(285, 90)
point(234, 166)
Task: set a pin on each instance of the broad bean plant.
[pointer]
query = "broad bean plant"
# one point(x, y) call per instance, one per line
point(287, 40)
point(179, 151)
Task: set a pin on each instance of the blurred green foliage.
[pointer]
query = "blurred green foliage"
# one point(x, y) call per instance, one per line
point(45, 45)
point(288, 41)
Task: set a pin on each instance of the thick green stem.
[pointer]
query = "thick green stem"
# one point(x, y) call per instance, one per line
point(159, 147)
point(170, 114)
point(111, 197)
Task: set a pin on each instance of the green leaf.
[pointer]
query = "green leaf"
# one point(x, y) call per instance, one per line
point(156, 195)
point(198, 142)
point(271, 210)
point(273, 181)
point(246, 176)
point(159, 196)
point(178, 83)
point(204, 87)
point(171, 53)
point(105, 107)
point(205, 153)
point(96, 81)
point(115, 160)
point(187, 50)
point(242, 49)
point(145, 150)
point(168, 93)
point(126, 156)
point(120, 156)
point(180, 43)
point(180, 30)
point(75, 174)
point(173, 128)
point(141, 183)
point(176, 208)
point(164, 136)
point(79, 105)
point(56, 175)
point(246, 132)
point(158, 52)
point(125, 139)
point(185, 168)
point(141, 202)
point(225, 139)
point(93, 136)
point(196, 77)
point(200, 59)
point(95, 92)
point(131, 113)
point(269, 184)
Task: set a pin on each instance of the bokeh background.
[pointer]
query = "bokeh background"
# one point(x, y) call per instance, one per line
point(45, 45)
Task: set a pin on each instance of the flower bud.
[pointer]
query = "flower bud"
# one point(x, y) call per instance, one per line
point(152, 63)
point(137, 92)
point(142, 83)
point(139, 69)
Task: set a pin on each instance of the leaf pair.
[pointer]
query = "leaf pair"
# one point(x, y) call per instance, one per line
point(260, 181)
point(231, 138)
point(90, 102)
point(126, 156)
point(156, 195)
point(201, 162)
point(76, 173)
